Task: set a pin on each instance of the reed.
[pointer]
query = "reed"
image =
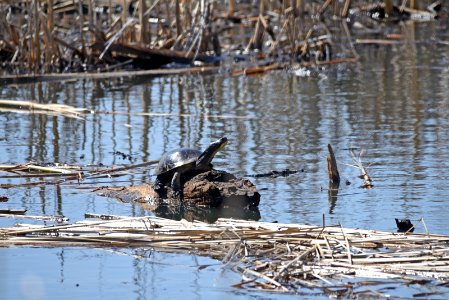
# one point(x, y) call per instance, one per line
point(49, 36)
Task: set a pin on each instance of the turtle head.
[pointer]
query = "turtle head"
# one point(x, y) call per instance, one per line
point(206, 157)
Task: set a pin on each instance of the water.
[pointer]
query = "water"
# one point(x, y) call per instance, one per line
point(393, 104)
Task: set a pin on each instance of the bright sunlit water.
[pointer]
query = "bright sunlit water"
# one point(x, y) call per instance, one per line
point(393, 105)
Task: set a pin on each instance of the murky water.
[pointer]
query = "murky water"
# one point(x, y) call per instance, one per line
point(393, 104)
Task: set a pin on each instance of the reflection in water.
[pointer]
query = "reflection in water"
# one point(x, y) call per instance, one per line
point(332, 194)
point(394, 103)
point(209, 215)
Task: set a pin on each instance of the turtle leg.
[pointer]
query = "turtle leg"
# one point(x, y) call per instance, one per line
point(176, 185)
point(158, 186)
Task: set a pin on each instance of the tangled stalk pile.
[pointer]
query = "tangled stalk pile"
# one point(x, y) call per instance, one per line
point(103, 35)
point(287, 258)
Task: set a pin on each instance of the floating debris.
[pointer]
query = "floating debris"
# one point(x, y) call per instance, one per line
point(41, 108)
point(287, 258)
point(13, 211)
point(275, 173)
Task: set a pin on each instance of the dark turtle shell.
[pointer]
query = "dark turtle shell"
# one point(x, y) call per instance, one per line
point(176, 159)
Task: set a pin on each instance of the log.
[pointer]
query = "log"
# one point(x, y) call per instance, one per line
point(206, 196)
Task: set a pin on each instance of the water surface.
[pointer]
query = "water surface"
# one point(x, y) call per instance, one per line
point(393, 105)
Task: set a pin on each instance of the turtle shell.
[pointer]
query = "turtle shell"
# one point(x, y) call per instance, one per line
point(176, 159)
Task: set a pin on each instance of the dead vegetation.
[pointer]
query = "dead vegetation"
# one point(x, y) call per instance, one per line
point(61, 36)
point(287, 258)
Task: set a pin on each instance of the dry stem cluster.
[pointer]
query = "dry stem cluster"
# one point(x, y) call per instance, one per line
point(85, 35)
point(270, 256)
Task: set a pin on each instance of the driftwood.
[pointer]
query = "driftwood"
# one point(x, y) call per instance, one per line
point(270, 256)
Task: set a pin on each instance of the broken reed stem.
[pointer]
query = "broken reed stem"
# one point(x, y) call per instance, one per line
point(344, 12)
point(268, 279)
point(178, 18)
point(231, 8)
point(36, 38)
point(332, 169)
point(257, 39)
point(81, 28)
point(324, 7)
point(145, 32)
point(68, 175)
point(425, 227)
point(388, 7)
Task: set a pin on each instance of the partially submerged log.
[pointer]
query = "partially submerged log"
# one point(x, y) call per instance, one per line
point(146, 57)
point(201, 193)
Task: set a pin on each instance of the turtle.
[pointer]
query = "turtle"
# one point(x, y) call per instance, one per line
point(176, 162)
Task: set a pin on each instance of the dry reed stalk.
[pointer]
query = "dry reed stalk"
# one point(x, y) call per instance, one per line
point(270, 256)
point(388, 7)
point(110, 8)
point(50, 28)
point(40, 108)
point(41, 218)
point(231, 8)
point(228, 236)
point(256, 41)
point(145, 32)
point(65, 171)
point(30, 167)
point(81, 28)
point(36, 38)
point(324, 7)
point(178, 18)
point(91, 18)
point(344, 12)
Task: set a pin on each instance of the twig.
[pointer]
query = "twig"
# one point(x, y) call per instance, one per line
point(367, 181)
